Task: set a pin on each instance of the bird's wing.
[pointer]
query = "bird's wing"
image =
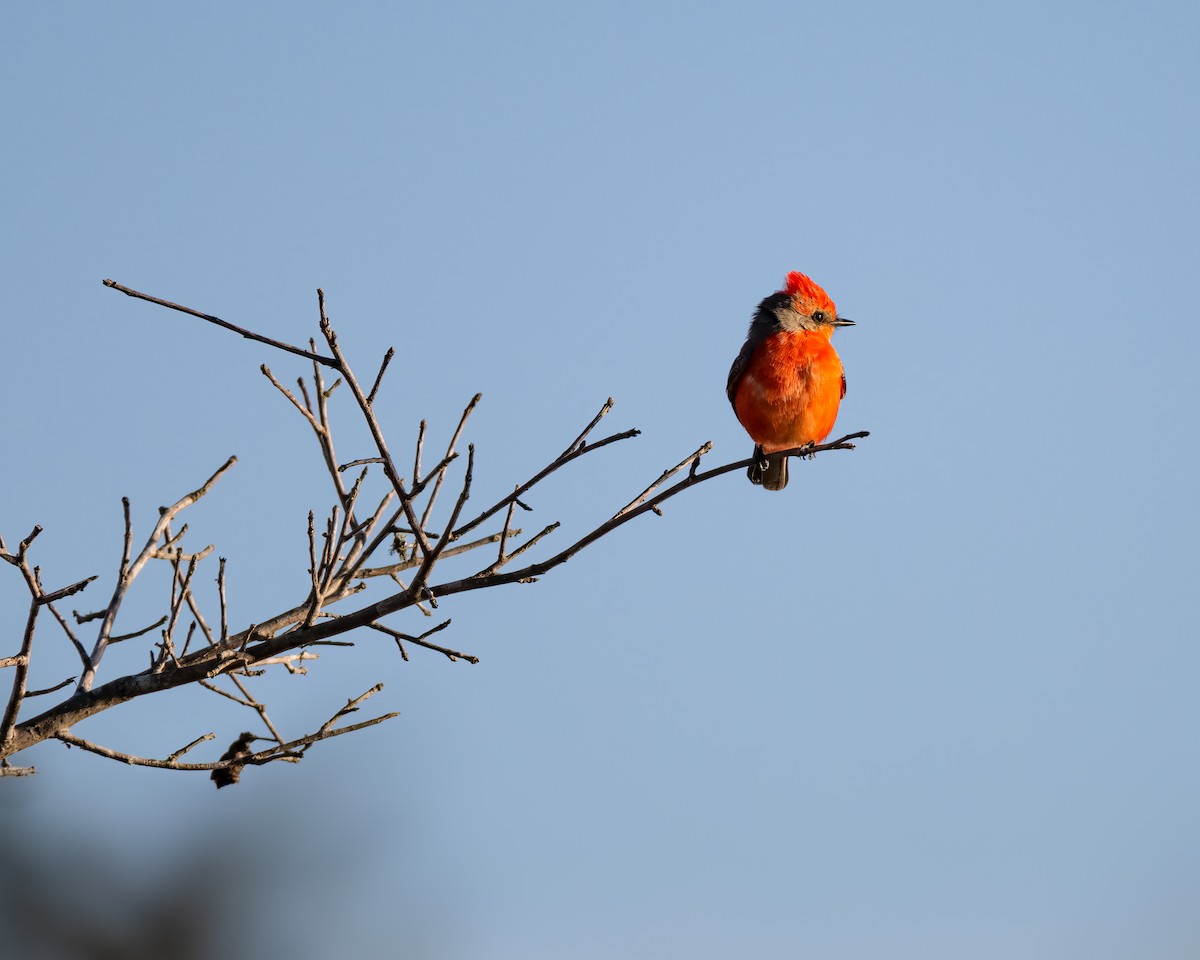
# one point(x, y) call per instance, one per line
point(843, 385)
point(738, 368)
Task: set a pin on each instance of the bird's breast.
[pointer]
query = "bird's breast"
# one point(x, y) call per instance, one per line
point(791, 389)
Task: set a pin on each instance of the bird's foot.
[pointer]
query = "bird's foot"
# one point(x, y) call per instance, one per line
point(757, 470)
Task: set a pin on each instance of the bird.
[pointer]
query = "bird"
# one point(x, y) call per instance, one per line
point(239, 749)
point(787, 382)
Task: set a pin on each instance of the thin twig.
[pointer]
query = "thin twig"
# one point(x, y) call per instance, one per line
point(302, 407)
point(417, 455)
point(431, 557)
point(422, 642)
point(578, 442)
point(138, 633)
point(440, 471)
point(221, 600)
point(129, 571)
point(209, 685)
point(66, 627)
point(368, 413)
point(47, 598)
point(692, 458)
point(259, 707)
point(501, 556)
point(249, 335)
point(387, 358)
point(541, 475)
point(359, 551)
point(350, 707)
point(21, 674)
point(315, 607)
point(57, 686)
point(436, 474)
point(195, 743)
point(325, 437)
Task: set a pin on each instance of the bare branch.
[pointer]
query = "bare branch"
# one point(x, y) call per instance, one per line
point(338, 570)
point(184, 589)
point(394, 568)
point(66, 628)
point(24, 544)
point(293, 662)
point(342, 468)
point(578, 442)
point(302, 407)
point(40, 598)
point(194, 608)
point(139, 633)
point(172, 553)
point(213, 688)
point(431, 557)
point(315, 606)
point(266, 639)
point(259, 707)
point(278, 752)
point(501, 555)
point(387, 358)
point(221, 599)
point(436, 474)
point(350, 707)
point(74, 588)
point(535, 570)
point(325, 436)
point(693, 459)
point(417, 456)
point(440, 471)
point(21, 674)
point(360, 551)
point(368, 413)
point(130, 571)
point(422, 642)
point(249, 335)
point(576, 450)
point(195, 743)
point(57, 686)
point(545, 531)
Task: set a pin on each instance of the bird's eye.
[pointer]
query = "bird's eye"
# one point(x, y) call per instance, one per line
point(819, 316)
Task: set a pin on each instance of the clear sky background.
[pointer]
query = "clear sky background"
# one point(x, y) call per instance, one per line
point(936, 700)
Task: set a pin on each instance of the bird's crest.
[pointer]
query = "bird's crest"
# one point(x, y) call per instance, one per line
point(798, 285)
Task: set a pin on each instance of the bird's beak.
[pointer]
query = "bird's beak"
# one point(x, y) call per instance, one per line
point(841, 322)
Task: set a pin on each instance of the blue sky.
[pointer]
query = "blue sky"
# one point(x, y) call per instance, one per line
point(936, 700)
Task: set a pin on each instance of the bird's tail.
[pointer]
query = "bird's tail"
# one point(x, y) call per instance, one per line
point(769, 472)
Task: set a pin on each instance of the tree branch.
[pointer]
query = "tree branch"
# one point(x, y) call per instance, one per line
point(241, 331)
point(339, 571)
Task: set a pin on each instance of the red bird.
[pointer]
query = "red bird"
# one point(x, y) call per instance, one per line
point(787, 383)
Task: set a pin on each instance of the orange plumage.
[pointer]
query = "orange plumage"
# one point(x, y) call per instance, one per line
point(787, 383)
